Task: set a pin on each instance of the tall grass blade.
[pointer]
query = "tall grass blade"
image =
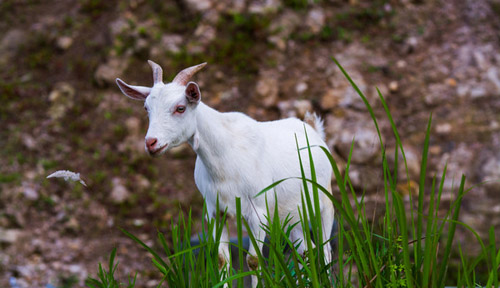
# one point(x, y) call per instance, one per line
point(151, 251)
point(421, 192)
point(451, 234)
point(317, 227)
point(304, 218)
point(430, 233)
point(240, 239)
point(493, 277)
point(363, 97)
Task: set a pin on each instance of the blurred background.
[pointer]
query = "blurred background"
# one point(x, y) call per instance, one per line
point(271, 59)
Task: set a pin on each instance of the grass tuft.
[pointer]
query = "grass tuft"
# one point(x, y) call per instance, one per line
point(407, 248)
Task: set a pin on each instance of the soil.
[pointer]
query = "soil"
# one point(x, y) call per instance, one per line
point(62, 111)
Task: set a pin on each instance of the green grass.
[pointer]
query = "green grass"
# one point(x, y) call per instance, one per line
point(407, 248)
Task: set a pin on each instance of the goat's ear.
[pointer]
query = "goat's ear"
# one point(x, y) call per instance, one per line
point(134, 92)
point(193, 94)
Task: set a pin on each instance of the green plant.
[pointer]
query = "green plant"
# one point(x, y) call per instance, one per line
point(106, 279)
point(238, 36)
point(409, 249)
point(296, 4)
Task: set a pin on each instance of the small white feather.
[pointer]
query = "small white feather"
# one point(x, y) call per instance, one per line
point(67, 175)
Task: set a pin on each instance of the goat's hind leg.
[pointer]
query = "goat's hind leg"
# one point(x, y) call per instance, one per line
point(327, 219)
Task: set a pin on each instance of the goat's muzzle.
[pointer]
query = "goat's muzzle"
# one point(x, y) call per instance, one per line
point(152, 146)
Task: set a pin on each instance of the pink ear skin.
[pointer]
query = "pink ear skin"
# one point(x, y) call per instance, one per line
point(134, 92)
point(193, 94)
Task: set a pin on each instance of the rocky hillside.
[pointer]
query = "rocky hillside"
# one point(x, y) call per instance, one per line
point(270, 59)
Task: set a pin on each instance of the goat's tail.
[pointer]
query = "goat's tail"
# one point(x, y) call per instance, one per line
point(316, 123)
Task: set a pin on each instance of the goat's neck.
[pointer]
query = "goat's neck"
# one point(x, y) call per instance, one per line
point(212, 136)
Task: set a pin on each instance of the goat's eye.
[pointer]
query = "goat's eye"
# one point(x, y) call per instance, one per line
point(180, 109)
point(145, 108)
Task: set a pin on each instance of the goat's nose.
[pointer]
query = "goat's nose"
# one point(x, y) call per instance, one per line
point(150, 143)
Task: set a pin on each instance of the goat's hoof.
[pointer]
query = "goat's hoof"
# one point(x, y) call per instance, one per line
point(222, 261)
point(252, 262)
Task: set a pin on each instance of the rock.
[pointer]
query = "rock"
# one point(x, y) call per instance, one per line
point(169, 43)
point(411, 44)
point(119, 193)
point(195, 47)
point(153, 283)
point(62, 99)
point(28, 141)
point(346, 96)
point(139, 222)
point(233, 6)
point(119, 26)
point(366, 144)
point(264, 7)
point(494, 125)
point(443, 128)
point(267, 89)
point(18, 283)
point(106, 73)
point(13, 39)
point(205, 34)
point(480, 59)
point(301, 87)
point(72, 225)
point(437, 94)
point(459, 161)
point(365, 177)
point(490, 173)
point(413, 159)
point(77, 271)
point(330, 99)
point(64, 42)
point(142, 182)
point(10, 44)
point(294, 108)
point(333, 127)
point(463, 90)
point(493, 76)
point(478, 92)
point(451, 82)
point(302, 107)
point(133, 141)
point(26, 270)
point(401, 64)
point(393, 86)
point(9, 236)
point(141, 47)
point(281, 28)
point(351, 98)
point(30, 191)
point(315, 20)
point(199, 5)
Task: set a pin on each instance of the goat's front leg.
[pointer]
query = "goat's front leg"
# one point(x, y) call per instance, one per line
point(223, 260)
point(259, 234)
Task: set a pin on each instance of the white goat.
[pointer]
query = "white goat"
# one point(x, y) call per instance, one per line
point(237, 156)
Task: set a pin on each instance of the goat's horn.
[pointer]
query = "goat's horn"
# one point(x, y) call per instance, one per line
point(183, 77)
point(157, 72)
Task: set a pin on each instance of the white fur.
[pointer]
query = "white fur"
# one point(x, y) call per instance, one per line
point(238, 157)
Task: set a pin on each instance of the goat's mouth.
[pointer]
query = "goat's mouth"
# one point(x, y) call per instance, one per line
point(158, 151)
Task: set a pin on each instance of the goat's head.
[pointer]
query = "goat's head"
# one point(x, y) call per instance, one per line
point(170, 108)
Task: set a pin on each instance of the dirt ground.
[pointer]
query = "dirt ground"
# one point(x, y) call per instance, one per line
point(60, 110)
